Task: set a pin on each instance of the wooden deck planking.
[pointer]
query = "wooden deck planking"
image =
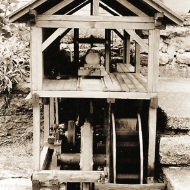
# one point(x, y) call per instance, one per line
point(122, 83)
point(129, 83)
point(114, 82)
point(137, 84)
point(89, 84)
point(123, 67)
point(119, 68)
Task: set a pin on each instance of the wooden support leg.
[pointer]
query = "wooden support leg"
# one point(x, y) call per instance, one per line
point(86, 160)
point(52, 112)
point(152, 139)
point(126, 51)
point(46, 119)
point(36, 132)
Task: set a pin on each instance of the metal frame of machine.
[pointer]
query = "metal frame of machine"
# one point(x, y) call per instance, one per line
point(51, 20)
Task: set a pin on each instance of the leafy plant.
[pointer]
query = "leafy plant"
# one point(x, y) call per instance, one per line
point(14, 50)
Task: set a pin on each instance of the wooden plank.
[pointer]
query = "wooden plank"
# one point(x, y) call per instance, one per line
point(132, 8)
point(97, 94)
point(139, 40)
point(160, 7)
point(36, 58)
point(25, 9)
point(124, 67)
point(111, 186)
point(36, 132)
point(119, 68)
point(57, 7)
point(119, 34)
point(137, 84)
point(90, 84)
point(153, 60)
point(137, 58)
point(77, 18)
point(126, 45)
point(44, 176)
point(46, 84)
point(95, 24)
point(108, 83)
point(122, 83)
point(115, 83)
point(129, 83)
point(141, 79)
point(151, 143)
point(53, 37)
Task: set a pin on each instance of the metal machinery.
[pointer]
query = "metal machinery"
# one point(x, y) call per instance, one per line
point(99, 123)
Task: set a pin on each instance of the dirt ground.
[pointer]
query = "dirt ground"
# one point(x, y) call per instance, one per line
point(16, 158)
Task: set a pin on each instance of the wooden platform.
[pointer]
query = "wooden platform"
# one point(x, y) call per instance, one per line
point(123, 84)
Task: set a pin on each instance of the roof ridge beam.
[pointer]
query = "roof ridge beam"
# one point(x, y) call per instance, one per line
point(132, 8)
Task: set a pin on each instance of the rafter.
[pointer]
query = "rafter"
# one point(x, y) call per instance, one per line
point(132, 8)
point(48, 41)
point(57, 7)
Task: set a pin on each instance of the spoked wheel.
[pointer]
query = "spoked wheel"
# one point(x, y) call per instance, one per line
point(127, 150)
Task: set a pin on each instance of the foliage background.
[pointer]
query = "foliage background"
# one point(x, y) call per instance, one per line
point(14, 50)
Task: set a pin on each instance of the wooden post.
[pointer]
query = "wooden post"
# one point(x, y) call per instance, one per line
point(153, 60)
point(152, 139)
point(37, 72)
point(46, 119)
point(76, 46)
point(95, 7)
point(137, 56)
point(107, 49)
point(36, 132)
point(52, 112)
point(126, 48)
point(86, 159)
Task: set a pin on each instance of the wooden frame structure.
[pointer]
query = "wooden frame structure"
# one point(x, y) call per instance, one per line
point(132, 17)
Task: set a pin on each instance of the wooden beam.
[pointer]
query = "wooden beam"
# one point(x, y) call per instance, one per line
point(126, 48)
point(160, 7)
point(95, 7)
point(52, 112)
point(36, 58)
point(137, 55)
point(76, 46)
point(24, 10)
point(96, 94)
point(119, 34)
point(67, 176)
point(153, 60)
point(108, 22)
point(57, 7)
point(132, 8)
point(86, 157)
point(53, 37)
point(44, 156)
point(138, 39)
point(36, 132)
point(111, 186)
